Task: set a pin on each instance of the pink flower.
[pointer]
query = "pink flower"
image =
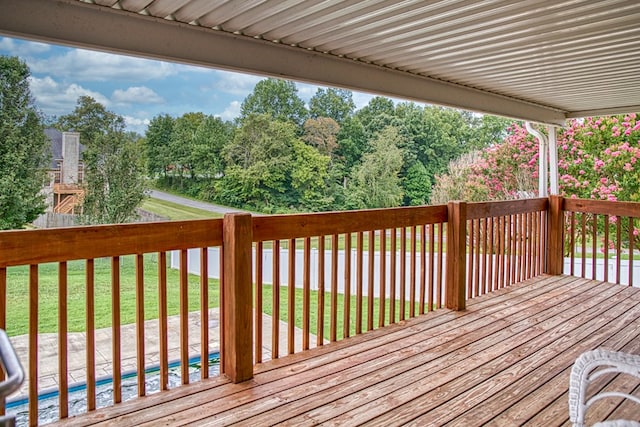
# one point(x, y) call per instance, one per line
point(636, 231)
point(627, 167)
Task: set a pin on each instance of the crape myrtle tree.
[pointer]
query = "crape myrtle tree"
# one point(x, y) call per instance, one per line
point(114, 169)
point(24, 151)
point(598, 158)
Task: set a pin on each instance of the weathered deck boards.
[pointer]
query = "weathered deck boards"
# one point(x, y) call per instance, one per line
point(504, 361)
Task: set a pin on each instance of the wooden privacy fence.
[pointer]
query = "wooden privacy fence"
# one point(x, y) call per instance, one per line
point(406, 261)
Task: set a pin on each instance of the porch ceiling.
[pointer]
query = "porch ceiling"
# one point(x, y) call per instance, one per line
point(537, 60)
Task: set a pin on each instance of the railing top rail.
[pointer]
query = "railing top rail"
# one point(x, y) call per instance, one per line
point(11, 365)
point(604, 207)
point(509, 207)
point(25, 247)
point(279, 227)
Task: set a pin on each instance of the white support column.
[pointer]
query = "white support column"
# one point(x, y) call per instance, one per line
point(542, 160)
point(553, 160)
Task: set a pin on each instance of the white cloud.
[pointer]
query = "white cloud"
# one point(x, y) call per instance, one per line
point(232, 111)
point(22, 48)
point(236, 83)
point(86, 65)
point(136, 95)
point(362, 99)
point(57, 98)
point(306, 91)
point(136, 124)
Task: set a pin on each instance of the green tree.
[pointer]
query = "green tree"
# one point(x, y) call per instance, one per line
point(158, 139)
point(114, 179)
point(376, 181)
point(278, 98)
point(259, 162)
point(309, 176)
point(183, 140)
point(23, 148)
point(416, 185)
point(91, 119)
point(211, 136)
point(376, 115)
point(114, 169)
point(336, 104)
point(321, 133)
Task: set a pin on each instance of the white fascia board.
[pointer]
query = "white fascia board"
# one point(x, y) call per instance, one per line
point(79, 24)
point(604, 112)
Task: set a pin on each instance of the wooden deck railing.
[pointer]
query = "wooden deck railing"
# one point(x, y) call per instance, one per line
point(365, 269)
point(322, 277)
point(142, 244)
point(604, 235)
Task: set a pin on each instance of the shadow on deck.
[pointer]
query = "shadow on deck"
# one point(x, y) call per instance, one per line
point(504, 361)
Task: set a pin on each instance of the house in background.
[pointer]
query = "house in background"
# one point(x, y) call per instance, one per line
point(66, 173)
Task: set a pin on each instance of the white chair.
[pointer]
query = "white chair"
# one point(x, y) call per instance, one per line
point(591, 365)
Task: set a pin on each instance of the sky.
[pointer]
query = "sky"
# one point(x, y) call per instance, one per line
point(135, 88)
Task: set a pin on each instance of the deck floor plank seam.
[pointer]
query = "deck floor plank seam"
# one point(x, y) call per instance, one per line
point(554, 376)
point(496, 328)
point(192, 402)
point(504, 360)
point(436, 390)
point(214, 408)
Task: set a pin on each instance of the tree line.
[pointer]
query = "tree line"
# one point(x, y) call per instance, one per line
point(281, 155)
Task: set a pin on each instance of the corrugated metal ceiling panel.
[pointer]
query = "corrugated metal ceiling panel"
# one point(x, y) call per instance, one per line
point(564, 55)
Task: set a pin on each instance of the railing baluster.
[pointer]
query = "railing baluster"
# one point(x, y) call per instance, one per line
point(392, 275)
point(184, 317)
point(204, 313)
point(383, 278)
point(33, 345)
point(321, 266)
point(594, 227)
point(306, 294)
point(485, 247)
point(63, 351)
point(360, 281)
point(115, 329)
point(618, 253)
point(162, 321)
point(476, 263)
point(346, 306)
point(470, 247)
point(631, 241)
point(257, 317)
point(423, 269)
point(90, 334)
point(291, 298)
point(583, 220)
point(334, 288)
point(432, 245)
point(140, 362)
point(439, 281)
point(371, 253)
point(3, 320)
point(606, 248)
point(491, 284)
point(403, 272)
point(572, 243)
point(412, 278)
point(275, 319)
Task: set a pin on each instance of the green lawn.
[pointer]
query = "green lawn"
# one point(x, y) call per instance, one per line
point(18, 297)
point(176, 212)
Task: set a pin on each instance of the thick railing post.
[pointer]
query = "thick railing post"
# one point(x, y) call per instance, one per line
point(455, 294)
point(237, 315)
point(555, 236)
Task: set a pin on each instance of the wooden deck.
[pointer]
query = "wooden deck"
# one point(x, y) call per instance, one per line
point(504, 361)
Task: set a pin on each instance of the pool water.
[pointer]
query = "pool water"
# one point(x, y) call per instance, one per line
point(48, 409)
